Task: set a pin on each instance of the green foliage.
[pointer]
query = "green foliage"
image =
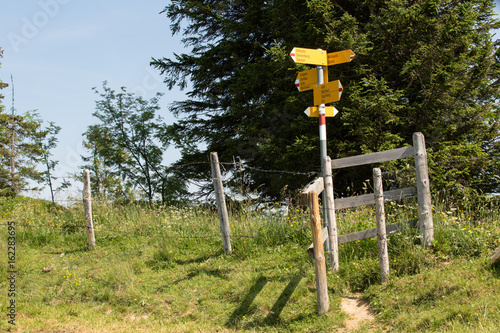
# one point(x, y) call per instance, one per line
point(23, 144)
point(2, 84)
point(50, 143)
point(127, 148)
point(21, 149)
point(429, 67)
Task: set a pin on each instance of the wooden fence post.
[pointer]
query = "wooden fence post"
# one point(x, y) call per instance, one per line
point(424, 192)
point(330, 211)
point(319, 255)
point(87, 207)
point(381, 230)
point(221, 203)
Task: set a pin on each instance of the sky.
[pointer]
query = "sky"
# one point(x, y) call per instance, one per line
point(58, 50)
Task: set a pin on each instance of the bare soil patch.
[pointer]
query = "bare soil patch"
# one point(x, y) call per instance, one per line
point(359, 313)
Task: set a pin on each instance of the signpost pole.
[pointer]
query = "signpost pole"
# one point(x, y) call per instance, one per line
point(325, 91)
point(322, 148)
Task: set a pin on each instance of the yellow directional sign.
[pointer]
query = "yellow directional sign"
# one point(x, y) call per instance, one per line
point(328, 92)
point(313, 111)
point(340, 57)
point(308, 56)
point(307, 80)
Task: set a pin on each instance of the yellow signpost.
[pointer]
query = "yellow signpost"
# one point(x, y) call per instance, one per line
point(313, 111)
point(324, 92)
point(308, 56)
point(328, 92)
point(307, 80)
point(340, 57)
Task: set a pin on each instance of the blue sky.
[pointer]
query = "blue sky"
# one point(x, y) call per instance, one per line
point(57, 50)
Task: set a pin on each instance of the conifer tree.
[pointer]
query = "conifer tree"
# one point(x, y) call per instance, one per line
point(421, 66)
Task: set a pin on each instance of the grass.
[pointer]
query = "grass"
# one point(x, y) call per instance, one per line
point(162, 269)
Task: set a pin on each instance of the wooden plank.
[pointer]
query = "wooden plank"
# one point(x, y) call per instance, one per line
point(333, 255)
point(360, 235)
point(356, 201)
point(382, 156)
point(424, 191)
point(314, 186)
point(87, 207)
point(390, 229)
point(319, 255)
point(324, 236)
point(221, 203)
point(369, 199)
point(403, 193)
point(495, 258)
point(383, 254)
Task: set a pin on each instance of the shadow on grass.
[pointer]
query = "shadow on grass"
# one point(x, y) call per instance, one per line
point(82, 249)
point(219, 273)
point(273, 317)
point(244, 307)
point(200, 259)
point(275, 312)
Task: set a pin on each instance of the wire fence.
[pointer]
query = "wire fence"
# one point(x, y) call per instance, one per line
point(142, 231)
point(242, 166)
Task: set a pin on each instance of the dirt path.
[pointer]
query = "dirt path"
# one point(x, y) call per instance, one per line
point(358, 311)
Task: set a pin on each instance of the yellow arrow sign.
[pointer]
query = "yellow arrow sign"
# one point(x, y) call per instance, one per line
point(328, 92)
point(313, 111)
point(307, 80)
point(308, 56)
point(340, 57)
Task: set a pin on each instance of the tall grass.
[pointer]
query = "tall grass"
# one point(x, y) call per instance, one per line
point(163, 268)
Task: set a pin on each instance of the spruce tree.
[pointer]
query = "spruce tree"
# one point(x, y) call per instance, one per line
point(428, 66)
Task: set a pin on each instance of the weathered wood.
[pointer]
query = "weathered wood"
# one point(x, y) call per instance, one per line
point(314, 186)
point(390, 229)
point(381, 229)
point(333, 255)
point(319, 256)
point(382, 156)
point(424, 192)
point(221, 203)
point(495, 258)
point(87, 207)
point(360, 235)
point(369, 199)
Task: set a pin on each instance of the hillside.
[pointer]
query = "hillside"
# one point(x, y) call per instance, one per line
point(162, 269)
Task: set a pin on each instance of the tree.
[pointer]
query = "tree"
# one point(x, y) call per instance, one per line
point(48, 144)
point(2, 84)
point(106, 176)
point(21, 141)
point(429, 66)
point(129, 143)
point(23, 144)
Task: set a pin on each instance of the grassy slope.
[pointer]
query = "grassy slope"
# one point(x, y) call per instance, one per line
point(149, 283)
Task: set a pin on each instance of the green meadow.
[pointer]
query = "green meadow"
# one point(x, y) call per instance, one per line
point(162, 269)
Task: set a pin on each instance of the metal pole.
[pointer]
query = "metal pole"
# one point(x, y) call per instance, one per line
point(322, 149)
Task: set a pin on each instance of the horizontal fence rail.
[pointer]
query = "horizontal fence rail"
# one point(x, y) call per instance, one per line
point(371, 158)
point(369, 199)
point(364, 234)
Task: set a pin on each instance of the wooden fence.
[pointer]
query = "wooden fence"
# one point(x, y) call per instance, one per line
point(421, 191)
